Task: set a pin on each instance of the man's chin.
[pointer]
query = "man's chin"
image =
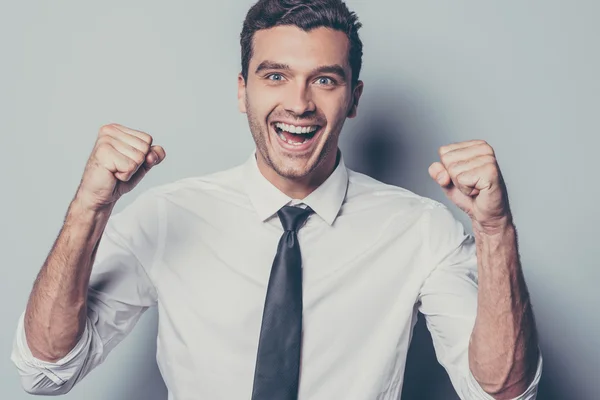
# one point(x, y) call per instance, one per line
point(300, 167)
point(295, 167)
point(291, 172)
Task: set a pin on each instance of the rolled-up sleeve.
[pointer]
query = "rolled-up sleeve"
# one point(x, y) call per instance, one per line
point(448, 300)
point(52, 378)
point(120, 291)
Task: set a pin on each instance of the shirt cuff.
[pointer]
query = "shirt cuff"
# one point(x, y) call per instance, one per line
point(529, 394)
point(58, 372)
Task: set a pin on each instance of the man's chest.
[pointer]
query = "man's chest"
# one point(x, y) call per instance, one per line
point(354, 273)
point(361, 280)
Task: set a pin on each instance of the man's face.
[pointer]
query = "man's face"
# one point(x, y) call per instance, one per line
point(300, 82)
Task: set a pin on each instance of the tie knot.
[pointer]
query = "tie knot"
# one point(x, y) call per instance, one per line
point(292, 218)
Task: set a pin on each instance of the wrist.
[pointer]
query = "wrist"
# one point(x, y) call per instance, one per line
point(498, 226)
point(84, 205)
point(81, 212)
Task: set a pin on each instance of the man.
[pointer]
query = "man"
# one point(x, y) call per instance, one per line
point(289, 276)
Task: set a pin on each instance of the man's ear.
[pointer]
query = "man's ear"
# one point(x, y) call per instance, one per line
point(241, 94)
point(356, 93)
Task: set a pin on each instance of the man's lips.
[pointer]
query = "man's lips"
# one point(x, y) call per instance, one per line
point(310, 132)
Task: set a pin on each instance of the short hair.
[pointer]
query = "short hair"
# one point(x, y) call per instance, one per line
point(306, 15)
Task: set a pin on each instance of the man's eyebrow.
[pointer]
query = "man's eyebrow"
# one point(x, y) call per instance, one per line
point(266, 65)
point(335, 69)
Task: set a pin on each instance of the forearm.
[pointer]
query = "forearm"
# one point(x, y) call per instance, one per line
point(503, 351)
point(56, 311)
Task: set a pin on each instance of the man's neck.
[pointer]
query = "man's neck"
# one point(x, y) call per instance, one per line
point(302, 187)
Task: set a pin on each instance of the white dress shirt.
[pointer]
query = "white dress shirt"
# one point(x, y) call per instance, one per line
point(201, 250)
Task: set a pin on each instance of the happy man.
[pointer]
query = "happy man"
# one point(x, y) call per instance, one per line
point(289, 276)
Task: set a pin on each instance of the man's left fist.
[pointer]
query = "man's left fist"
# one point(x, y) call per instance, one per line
point(469, 175)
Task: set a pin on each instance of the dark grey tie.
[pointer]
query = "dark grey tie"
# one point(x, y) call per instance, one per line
point(278, 361)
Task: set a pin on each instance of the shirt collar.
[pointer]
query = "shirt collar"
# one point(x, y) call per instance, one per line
point(326, 200)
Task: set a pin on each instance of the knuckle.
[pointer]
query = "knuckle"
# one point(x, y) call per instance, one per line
point(106, 129)
point(486, 147)
point(446, 159)
point(139, 157)
point(103, 148)
point(105, 139)
point(452, 168)
point(131, 165)
point(145, 148)
point(489, 159)
point(146, 137)
point(102, 141)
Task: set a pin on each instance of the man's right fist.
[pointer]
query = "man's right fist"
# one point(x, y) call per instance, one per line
point(120, 159)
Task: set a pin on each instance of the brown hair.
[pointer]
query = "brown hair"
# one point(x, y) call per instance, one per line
point(306, 15)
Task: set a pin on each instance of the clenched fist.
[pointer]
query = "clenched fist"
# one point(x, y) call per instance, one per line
point(469, 174)
point(119, 160)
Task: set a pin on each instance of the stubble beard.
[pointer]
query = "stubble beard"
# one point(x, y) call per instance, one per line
point(260, 139)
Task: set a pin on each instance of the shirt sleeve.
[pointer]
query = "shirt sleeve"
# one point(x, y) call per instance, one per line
point(120, 291)
point(448, 300)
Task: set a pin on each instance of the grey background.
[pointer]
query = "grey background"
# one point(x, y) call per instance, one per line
point(522, 75)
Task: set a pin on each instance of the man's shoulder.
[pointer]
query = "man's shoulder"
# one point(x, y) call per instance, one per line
point(198, 189)
point(366, 189)
point(229, 179)
point(387, 202)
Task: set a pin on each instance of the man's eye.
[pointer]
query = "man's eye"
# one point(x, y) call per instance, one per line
point(325, 81)
point(275, 77)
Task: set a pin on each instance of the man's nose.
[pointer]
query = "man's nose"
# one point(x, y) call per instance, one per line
point(298, 100)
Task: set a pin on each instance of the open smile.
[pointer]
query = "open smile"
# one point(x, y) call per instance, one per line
point(296, 137)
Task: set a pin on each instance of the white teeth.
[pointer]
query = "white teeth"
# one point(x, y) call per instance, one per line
point(296, 129)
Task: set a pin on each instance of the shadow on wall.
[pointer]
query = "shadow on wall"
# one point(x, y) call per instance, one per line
point(394, 140)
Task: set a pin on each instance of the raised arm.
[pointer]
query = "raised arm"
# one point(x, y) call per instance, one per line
point(56, 325)
point(56, 311)
point(503, 347)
